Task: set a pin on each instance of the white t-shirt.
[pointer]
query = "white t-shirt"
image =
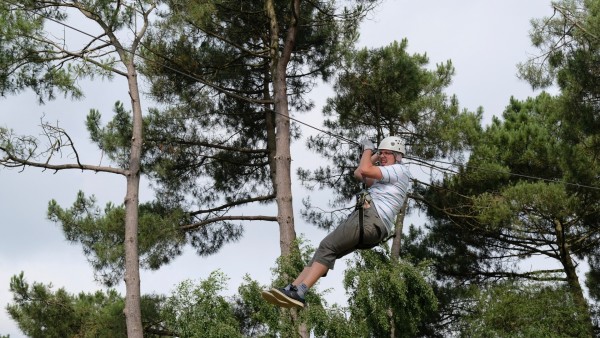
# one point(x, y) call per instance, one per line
point(388, 194)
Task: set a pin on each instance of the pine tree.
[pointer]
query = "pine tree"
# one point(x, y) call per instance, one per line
point(33, 58)
point(512, 201)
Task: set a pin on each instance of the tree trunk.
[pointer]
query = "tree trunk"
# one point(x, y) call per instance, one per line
point(285, 214)
point(395, 255)
point(571, 272)
point(283, 158)
point(283, 180)
point(133, 313)
point(397, 241)
point(390, 314)
point(271, 145)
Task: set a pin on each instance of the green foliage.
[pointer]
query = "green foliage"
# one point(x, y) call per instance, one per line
point(592, 280)
point(40, 312)
point(15, 146)
point(30, 63)
point(532, 200)
point(198, 310)
point(516, 198)
point(572, 26)
point(218, 131)
point(261, 319)
point(499, 206)
point(115, 138)
point(200, 38)
point(388, 296)
point(335, 322)
point(385, 79)
point(570, 51)
point(515, 309)
point(31, 58)
point(175, 166)
point(257, 318)
point(36, 57)
point(289, 266)
point(101, 234)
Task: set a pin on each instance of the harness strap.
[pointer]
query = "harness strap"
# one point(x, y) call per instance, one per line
point(361, 227)
point(361, 198)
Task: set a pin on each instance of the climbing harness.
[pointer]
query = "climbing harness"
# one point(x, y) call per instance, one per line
point(363, 198)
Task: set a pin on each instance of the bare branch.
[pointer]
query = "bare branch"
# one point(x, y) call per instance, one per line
point(227, 218)
point(541, 275)
point(575, 22)
point(235, 203)
point(12, 162)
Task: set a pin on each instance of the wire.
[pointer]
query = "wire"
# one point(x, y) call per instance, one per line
point(509, 173)
point(414, 158)
point(178, 71)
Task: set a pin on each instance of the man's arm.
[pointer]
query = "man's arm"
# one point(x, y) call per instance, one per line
point(367, 168)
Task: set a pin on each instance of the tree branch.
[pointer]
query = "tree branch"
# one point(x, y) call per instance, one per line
point(11, 161)
point(235, 203)
point(227, 218)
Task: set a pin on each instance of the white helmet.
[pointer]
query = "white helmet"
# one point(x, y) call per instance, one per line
point(393, 143)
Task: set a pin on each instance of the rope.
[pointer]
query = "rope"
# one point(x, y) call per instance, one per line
point(414, 158)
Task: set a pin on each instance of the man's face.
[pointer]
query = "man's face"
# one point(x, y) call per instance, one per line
point(387, 157)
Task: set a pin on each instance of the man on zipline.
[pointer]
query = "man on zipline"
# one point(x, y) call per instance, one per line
point(371, 223)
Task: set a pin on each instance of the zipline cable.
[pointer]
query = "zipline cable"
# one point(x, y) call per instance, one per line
point(413, 158)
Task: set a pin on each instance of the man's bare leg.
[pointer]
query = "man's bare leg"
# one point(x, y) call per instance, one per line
point(311, 274)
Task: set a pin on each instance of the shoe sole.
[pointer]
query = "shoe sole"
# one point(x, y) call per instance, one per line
point(270, 298)
point(282, 297)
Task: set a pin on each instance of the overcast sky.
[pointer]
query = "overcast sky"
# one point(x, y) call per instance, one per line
point(484, 39)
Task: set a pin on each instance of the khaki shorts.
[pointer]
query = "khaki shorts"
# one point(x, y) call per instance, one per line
point(344, 239)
